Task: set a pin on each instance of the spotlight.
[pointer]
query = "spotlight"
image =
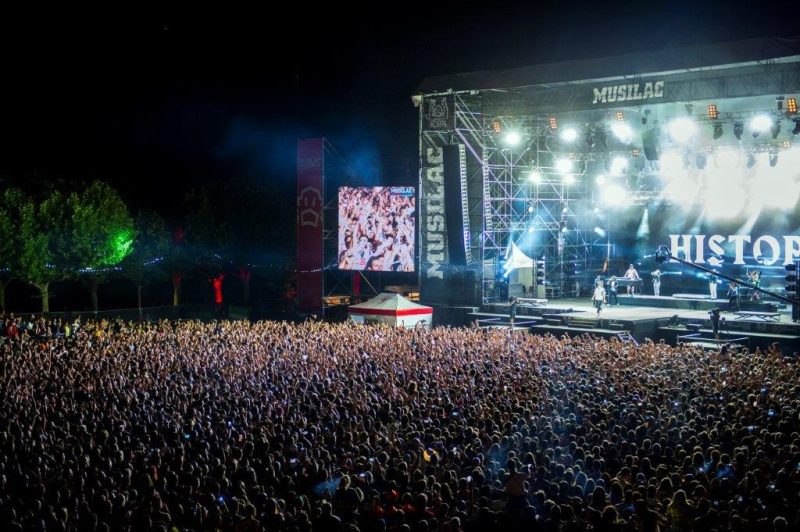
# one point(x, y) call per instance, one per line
point(751, 160)
point(535, 176)
point(564, 210)
point(623, 132)
point(530, 229)
point(601, 179)
point(713, 113)
point(600, 232)
point(775, 129)
point(530, 209)
point(738, 130)
point(760, 124)
point(569, 179)
point(700, 161)
point(563, 165)
point(614, 195)
point(512, 138)
point(796, 130)
point(620, 116)
point(553, 121)
point(681, 130)
point(773, 157)
point(618, 165)
point(569, 135)
point(717, 131)
point(779, 102)
point(497, 127)
point(564, 229)
point(791, 106)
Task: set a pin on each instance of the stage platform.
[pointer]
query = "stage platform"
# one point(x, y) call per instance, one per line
point(642, 321)
point(691, 302)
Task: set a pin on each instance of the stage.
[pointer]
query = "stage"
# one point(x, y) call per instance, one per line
point(639, 317)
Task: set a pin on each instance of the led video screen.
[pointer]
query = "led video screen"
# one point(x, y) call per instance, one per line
point(376, 228)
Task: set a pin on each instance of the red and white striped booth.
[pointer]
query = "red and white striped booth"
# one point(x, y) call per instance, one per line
point(392, 309)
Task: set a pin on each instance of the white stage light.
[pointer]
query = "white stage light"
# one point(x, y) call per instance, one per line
point(759, 124)
point(530, 229)
point(682, 130)
point(569, 135)
point(563, 165)
point(569, 179)
point(600, 232)
point(618, 165)
point(512, 138)
point(622, 131)
point(535, 176)
point(530, 209)
point(600, 179)
point(614, 195)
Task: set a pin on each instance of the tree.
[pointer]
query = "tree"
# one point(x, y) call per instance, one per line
point(42, 241)
point(147, 259)
point(101, 234)
point(11, 203)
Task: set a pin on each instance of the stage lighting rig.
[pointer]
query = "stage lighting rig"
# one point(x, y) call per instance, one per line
point(512, 138)
point(713, 112)
point(682, 130)
point(791, 106)
point(738, 130)
point(497, 126)
point(564, 165)
point(759, 124)
point(623, 132)
point(775, 129)
point(620, 116)
point(569, 135)
point(553, 122)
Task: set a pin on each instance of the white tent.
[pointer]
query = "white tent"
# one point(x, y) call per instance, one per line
point(515, 258)
point(392, 309)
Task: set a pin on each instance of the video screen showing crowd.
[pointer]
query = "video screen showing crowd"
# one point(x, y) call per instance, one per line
point(607, 289)
point(376, 229)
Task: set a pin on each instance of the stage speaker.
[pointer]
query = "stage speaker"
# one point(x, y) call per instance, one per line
point(651, 144)
point(453, 211)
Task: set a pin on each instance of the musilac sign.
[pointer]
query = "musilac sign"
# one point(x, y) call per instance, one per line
point(628, 92)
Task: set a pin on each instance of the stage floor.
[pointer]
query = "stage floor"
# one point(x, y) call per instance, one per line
point(583, 308)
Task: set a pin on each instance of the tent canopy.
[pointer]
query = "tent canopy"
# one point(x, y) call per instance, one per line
point(387, 304)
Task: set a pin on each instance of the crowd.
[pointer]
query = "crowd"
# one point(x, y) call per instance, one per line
point(376, 229)
point(108, 426)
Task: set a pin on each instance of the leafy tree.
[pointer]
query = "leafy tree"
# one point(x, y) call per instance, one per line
point(11, 203)
point(101, 234)
point(146, 262)
point(42, 241)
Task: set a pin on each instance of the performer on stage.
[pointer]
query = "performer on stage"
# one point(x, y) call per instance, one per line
point(656, 275)
point(512, 310)
point(754, 276)
point(598, 297)
point(733, 296)
point(612, 291)
point(632, 275)
point(712, 284)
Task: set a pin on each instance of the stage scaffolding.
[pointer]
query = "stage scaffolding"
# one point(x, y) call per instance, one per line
point(548, 218)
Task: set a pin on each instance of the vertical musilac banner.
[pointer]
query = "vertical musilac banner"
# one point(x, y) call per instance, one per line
point(310, 204)
point(437, 118)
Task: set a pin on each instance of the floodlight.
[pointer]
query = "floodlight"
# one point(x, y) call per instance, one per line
point(618, 165)
point(569, 135)
point(564, 165)
point(623, 132)
point(512, 138)
point(759, 124)
point(535, 176)
point(682, 130)
point(569, 179)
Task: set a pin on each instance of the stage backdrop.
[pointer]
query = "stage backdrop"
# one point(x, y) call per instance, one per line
point(310, 176)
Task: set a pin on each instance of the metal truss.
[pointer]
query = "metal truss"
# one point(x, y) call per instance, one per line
point(546, 218)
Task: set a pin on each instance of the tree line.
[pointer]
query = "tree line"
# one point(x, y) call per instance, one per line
point(90, 235)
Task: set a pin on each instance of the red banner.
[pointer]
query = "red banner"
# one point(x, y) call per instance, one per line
point(310, 167)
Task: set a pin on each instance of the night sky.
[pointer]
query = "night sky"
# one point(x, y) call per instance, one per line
point(158, 100)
